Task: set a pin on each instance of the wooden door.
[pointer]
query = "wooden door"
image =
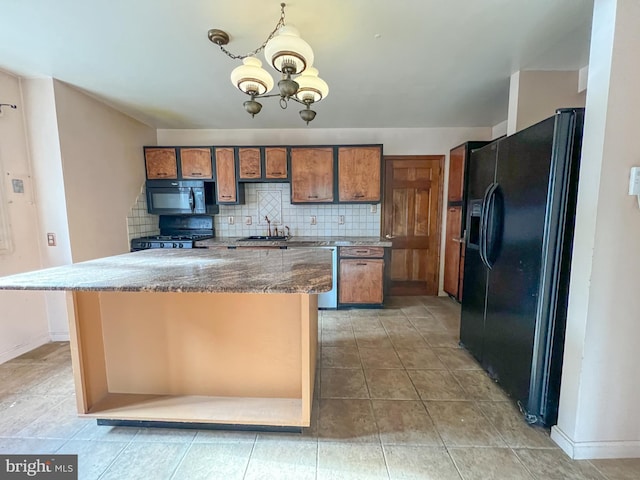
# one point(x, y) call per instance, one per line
point(226, 185)
point(275, 162)
point(359, 174)
point(311, 175)
point(196, 163)
point(161, 163)
point(249, 163)
point(412, 217)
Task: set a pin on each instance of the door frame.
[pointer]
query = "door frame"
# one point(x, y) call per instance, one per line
point(385, 221)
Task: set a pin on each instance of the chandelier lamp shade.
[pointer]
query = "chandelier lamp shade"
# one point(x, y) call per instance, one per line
point(288, 54)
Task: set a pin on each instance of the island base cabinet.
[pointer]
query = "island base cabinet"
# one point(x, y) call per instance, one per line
point(219, 358)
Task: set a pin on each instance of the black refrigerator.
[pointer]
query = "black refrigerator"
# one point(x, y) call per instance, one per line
point(520, 218)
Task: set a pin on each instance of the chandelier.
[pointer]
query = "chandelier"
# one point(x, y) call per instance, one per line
point(290, 55)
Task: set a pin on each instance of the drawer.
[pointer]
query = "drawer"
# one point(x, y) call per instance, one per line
point(375, 252)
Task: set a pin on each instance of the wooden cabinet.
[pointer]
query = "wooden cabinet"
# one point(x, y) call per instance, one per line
point(312, 175)
point(452, 280)
point(161, 163)
point(226, 179)
point(361, 276)
point(250, 165)
point(359, 169)
point(196, 163)
point(275, 163)
point(456, 218)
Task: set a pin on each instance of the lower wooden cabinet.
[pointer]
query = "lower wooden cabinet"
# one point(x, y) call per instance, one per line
point(361, 276)
point(452, 253)
point(361, 281)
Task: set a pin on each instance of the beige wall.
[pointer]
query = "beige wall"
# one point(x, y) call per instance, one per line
point(103, 170)
point(23, 319)
point(535, 95)
point(86, 162)
point(600, 382)
point(396, 141)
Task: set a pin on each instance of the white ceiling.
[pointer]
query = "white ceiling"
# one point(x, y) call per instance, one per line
point(403, 63)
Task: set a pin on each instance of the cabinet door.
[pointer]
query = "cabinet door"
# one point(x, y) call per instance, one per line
point(452, 252)
point(359, 174)
point(311, 175)
point(249, 162)
point(361, 281)
point(226, 184)
point(196, 163)
point(275, 162)
point(457, 159)
point(161, 163)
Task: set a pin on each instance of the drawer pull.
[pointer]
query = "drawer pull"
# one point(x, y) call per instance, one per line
point(275, 173)
point(312, 196)
point(358, 196)
point(249, 173)
point(225, 196)
point(196, 174)
point(362, 251)
point(162, 174)
point(362, 264)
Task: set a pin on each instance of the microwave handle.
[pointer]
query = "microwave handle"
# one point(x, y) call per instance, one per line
point(192, 200)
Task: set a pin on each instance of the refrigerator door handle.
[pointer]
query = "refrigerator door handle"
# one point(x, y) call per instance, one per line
point(493, 224)
point(482, 243)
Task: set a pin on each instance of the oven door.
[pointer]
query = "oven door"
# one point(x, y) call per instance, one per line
point(175, 198)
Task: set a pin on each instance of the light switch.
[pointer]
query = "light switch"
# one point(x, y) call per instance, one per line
point(231, 220)
point(248, 220)
point(313, 220)
point(51, 239)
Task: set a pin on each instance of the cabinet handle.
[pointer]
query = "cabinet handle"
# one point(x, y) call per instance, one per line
point(275, 173)
point(312, 196)
point(362, 264)
point(225, 196)
point(362, 251)
point(358, 196)
point(196, 174)
point(162, 174)
point(249, 173)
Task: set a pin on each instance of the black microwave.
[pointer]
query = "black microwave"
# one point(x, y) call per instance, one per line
point(181, 197)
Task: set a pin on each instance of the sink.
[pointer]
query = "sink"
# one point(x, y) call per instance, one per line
point(262, 237)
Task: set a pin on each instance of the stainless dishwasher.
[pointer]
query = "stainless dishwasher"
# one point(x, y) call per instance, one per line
point(330, 299)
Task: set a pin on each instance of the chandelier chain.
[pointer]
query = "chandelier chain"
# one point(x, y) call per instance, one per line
point(264, 44)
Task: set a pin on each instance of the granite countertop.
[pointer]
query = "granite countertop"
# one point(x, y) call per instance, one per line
point(297, 242)
point(194, 270)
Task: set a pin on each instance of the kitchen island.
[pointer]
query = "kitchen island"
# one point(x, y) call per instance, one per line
point(193, 337)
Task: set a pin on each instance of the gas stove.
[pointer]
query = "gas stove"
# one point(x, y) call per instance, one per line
point(177, 232)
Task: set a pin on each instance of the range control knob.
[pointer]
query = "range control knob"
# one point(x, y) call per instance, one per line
point(162, 245)
point(180, 245)
point(175, 245)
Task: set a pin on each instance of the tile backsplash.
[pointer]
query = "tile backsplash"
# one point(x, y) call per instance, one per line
point(274, 200)
point(141, 223)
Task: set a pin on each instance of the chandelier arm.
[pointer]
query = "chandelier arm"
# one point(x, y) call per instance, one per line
point(264, 44)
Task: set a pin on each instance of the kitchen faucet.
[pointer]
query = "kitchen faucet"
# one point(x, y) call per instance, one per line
point(268, 226)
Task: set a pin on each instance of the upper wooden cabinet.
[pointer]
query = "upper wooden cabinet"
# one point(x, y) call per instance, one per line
point(312, 175)
point(457, 162)
point(161, 163)
point(249, 163)
point(196, 162)
point(226, 180)
point(359, 174)
point(275, 163)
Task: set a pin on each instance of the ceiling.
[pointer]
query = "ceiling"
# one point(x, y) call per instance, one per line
point(407, 63)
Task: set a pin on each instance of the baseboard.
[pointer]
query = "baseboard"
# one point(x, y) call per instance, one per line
point(593, 450)
point(59, 336)
point(24, 348)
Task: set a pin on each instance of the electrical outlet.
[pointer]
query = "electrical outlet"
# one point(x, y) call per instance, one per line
point(340, 219)
point(374, 208)
point(231, 220)
point(51, 239)
point(248, 220)
point(313, 220)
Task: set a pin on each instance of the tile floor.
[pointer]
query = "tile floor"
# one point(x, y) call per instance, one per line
point(395, 399)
